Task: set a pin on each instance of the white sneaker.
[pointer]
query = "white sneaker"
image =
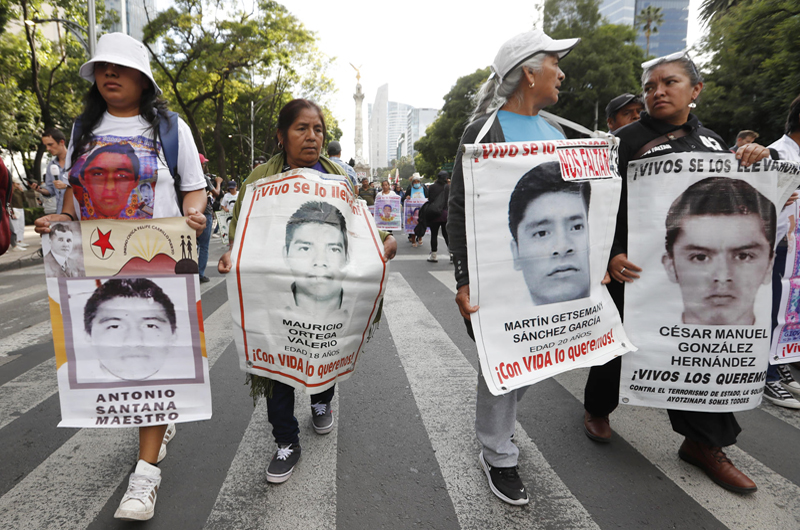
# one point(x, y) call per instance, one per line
point(23, 246)
point(169, 435)
point(787, 380)
point(774, 392)
point(18, 248)
point(139, 502)
point(432, 258)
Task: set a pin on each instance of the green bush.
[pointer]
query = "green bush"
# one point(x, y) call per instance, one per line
point(31, 214)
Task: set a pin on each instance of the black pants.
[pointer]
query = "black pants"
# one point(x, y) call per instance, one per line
point(435, 235)
point(280, 411)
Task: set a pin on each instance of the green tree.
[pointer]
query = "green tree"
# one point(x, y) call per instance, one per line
point(438, 147)
point(649, 20)
point(715, 8)
point(753, 74)
point(605, 64)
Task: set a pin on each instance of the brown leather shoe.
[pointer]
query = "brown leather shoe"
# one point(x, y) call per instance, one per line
point(717, 466)
point(597, 428)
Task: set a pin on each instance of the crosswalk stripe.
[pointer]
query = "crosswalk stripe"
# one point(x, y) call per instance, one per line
point(32, 335)
point(39, 288)
point(775, 505)
point(76, 481)
point(27, 391)
point(306, 500)
point(447, 278)
point(443, 384)
point(26, 271)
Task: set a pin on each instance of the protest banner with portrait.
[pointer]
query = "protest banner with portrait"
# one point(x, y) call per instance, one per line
point(411, 208)
point(223, 222)
point(786, 336)
point(388, 212)
point(307, 281)
point(540, 221)
point(127, 322)
point(701, 311)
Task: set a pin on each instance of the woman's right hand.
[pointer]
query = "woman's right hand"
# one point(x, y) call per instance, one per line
point(623, 270)
point(42, 224)
point(462, 300)
point(225, 264)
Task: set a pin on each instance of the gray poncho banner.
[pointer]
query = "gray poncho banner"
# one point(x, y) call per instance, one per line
point(703, 230)
point(540, 221)
point(307, 281)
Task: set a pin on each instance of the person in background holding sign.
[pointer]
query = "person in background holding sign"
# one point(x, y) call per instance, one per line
point(525, 79)
point(415, 190)
point(781, 388)
point(671, 85)
point(123, 107)
point(367, 192)
point(301, 132)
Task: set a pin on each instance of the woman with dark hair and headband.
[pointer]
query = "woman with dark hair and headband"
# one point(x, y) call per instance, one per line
point(123, 109)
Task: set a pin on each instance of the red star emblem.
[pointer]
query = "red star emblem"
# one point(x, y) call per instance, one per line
point(103, 241)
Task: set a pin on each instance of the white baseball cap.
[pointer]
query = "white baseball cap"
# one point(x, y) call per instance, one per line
point(522, 47)
point(122, 50)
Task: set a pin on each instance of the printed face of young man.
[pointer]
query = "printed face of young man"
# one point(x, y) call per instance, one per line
point(109, 181)
point(719, 262)
point(552, 248)
point(131, 337)
point(317, 257)
point(61, 243)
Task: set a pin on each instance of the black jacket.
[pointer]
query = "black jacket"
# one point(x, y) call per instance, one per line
point(635, 136)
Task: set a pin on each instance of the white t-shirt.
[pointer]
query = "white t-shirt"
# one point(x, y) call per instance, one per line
point(390, 194)
point(228, 200)
point(126, 176)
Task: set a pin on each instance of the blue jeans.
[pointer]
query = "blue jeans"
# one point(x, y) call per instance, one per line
point(202, 246)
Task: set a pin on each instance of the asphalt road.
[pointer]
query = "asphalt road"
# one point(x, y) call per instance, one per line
point(403, 453)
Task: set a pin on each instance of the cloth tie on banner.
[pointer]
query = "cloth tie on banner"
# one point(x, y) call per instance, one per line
point(308, 279)
point(705, 234)
point(540, 222)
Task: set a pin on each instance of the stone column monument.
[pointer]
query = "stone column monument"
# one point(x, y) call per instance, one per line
point(362, 168)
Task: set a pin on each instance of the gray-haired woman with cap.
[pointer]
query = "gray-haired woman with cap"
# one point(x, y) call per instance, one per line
point(128, 179)
point(525, 79)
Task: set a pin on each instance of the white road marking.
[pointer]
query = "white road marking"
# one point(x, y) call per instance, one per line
point(443, 384)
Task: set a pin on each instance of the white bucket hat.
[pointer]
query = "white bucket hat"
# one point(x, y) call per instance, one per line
point(522, 47)
point(122, 50)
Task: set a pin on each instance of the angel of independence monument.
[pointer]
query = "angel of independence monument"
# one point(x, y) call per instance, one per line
point(361, 167)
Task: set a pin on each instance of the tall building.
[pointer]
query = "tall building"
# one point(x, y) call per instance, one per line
point(398, 119)
point(132, 15)
point(671, 36)
point(417, 123)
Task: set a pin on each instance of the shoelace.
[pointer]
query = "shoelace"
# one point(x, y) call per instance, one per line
point(285, 452)
point(785, 373)
point(720, 456)
point(141, 487)
point(509, 473)
point(319, 408)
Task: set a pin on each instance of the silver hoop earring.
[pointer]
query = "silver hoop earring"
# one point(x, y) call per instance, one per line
point(692, 105)
point(531, 85)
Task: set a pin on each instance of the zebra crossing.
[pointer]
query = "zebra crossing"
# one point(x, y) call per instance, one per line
point(402, 455)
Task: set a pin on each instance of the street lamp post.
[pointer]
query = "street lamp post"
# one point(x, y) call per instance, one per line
point(72, 27)
point(92, 33)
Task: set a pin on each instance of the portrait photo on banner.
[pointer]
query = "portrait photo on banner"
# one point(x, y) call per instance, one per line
point(707, 248)
point(63, 251)
point(131, 332)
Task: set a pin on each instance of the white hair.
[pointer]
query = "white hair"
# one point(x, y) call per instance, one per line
point(494, 94)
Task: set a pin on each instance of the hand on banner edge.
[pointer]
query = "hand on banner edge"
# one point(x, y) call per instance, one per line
point(606, 279)
point(620, 263)
point(792, 199)
point(42, 224)
point(389, 248)
point(225, 264)
point(751, 153)
point(462, 301)
point(196, 220)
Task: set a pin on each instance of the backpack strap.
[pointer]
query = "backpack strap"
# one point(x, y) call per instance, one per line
point(168, 135)
point(674, 135)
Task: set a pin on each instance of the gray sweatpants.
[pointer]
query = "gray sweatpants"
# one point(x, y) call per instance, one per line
point(495, 420)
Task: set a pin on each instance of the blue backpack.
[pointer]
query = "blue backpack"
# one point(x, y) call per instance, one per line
point(168, 136)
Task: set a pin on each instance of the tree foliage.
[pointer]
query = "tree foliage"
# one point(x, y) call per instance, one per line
point(605, 64)
point(438, 147)
point(649, 20)
point(753, 74)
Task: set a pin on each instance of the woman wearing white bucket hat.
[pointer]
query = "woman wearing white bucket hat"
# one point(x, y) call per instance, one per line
point(118, 171)
point(525, 79)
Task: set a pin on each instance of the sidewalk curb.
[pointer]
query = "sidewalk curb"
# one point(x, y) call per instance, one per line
point(21, 263)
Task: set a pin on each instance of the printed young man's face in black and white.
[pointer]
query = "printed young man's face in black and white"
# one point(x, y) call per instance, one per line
point(317, 258)
point(131, 337)
point(552, 248)
point(720, 262)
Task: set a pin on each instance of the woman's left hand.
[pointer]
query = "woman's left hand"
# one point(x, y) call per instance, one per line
point(606, 279)
point(751, 153)
point(196, 220)
point(389, 247)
